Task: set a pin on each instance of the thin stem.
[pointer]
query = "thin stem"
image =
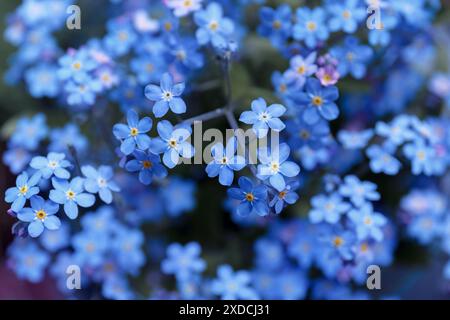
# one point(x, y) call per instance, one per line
point(228, 89)
point(73, 153)
point(205, 116)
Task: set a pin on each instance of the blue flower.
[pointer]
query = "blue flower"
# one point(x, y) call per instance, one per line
point(358, 191)
point(166, 96)
point(230, 285)
point(421, 157)
point(310, 26)
point(346, 16)
point(16, 159)
point(225, 162)
point(275, 167)
point(300, 69)
point(90, 247)
point(312, 135)
point(285, 196)
point(29, 132)
point(71, 195)
point(172, 142)
point(368, 224)
point(327, 208)
point(276, 23)
point(147, 67)
point(183, 191)
point(148, 165)
point(355, 139)
point(40, 215)
point(186, 55)
point(134, 133)
point(183, 262)
point(29, 260)
point(318, 101)
point(352, 57)
point(381, 160)
point(53, 164)
point(262, 117)
point(212, 26)
point(76, 65)
point(42, 81)
point(100, 181)
point(25, 188)
point(252, 198)
point(338, 243)
point(128, 245)
point(120, 38)
point(69, 135)
point(83, 93)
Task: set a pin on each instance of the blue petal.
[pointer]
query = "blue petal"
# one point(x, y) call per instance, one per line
point(127, 147)
point(143, 141)
point(226, 176)
point(165, 129)
point(145, 177)
point(35, 228)
point(121, 131)
point(106, 195)
point(166, 82)
point(212, 169)
point(277, 181)
point(132, 118)
point(248, 117)
point(57, 196)
point(85, 200)
point(157, 146)
point(18, 204)
point(52, 223)
point(153, 93)
point(71, 209)
point(160, 108)
point(145, 125)
point(289, 169)
point(39, 162)
point(177, 105)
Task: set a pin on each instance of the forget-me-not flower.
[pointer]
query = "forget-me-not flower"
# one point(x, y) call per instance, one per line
point(71, 195)
point(253, 198)
point(212, 26)
point(40, 215)
point(25, 188)
point(100, 181)
point(225, 162)
point(172, 143)
point(53, 164)
point(183, 261)
point(166, 96)
point(133, 134)
point(274, 166)
point(262, 117)
point(148, 165)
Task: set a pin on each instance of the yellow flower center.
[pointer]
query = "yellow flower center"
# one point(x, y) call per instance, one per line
point(368, 221)
point(134, 132)
point(224, 160)
point(311, 26)
point(350, 56)
point(23, 189)
point(338, 241)
point(123, 36)
point(213, 25)
point(304, 134)
point(147, 164)
point(77, 65)
point(70, 194)
point(249, 197)
point(90, 247)
point(301, 70)
point(187, 3)
point(168, 26)
point(364, 247)
point(283, 88)
point(282, 194)
point(346, 14)
point(41, 214)
point(173, 143)
point(275, 166)
point(317, 101)
point(421, 155)
point(276, 24)
point(149, 67)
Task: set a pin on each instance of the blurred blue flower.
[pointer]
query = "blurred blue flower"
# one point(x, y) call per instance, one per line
point(230, 285)
point(252, 198)
point(100, 181)
point(148, 165)
point(183, 261)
